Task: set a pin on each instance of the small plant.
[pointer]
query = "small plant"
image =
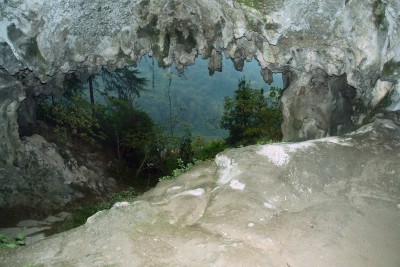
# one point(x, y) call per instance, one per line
point(127, 194)
point(81, 214)
point(256, 4)
point(182, 168)
point(75, 119)
point(206, 150)
point(6, 242)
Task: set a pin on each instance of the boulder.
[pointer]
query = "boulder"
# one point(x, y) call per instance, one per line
point(45, 178)
point(333, 201)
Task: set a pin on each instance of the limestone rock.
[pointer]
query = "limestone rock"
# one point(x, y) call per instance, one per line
point(328, 202)
point(11, 95)
point(43, 179)
point(318, 106)
point(353, 38)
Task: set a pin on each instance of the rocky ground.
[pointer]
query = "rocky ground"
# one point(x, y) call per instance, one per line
point(35, 230)
point(328, 202)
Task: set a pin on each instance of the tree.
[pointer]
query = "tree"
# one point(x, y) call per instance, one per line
point(127, 129)
point(125, 82)
point(74, 120)
point(249, 116)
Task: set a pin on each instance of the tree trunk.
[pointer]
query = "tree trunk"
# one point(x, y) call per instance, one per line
point(91, 90)
point(117, 139)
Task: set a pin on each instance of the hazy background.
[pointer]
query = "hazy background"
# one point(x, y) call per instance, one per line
point(196, 98)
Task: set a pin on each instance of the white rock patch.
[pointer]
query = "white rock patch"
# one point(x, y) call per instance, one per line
point(269, 206)
point(121, 204)
point(195, 192)
point(278, 155)
point(235, 184)
point(365, 129)
point(227, 169)
point(275, 153)
point(174, 188)
point(335, 140)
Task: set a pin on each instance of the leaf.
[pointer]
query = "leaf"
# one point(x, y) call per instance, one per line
point(10, 245)
point(20, 236)
point(20, 243)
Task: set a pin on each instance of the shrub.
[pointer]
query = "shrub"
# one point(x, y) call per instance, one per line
point(249, 116)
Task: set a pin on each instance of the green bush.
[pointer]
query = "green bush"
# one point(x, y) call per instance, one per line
point(7, 242)
point(204, 150)
point(250, 117)
point(74, 120)
point(182, 167)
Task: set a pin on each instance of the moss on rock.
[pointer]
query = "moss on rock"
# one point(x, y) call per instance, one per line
point(379, 12)
point(32, 50)
point(297, 124)
point(256, 4)
point(390, 68)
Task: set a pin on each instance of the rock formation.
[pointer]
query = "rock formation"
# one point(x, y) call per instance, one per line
point(45, 180)
point(358, 39)
point(329, 202)
point(339, 58)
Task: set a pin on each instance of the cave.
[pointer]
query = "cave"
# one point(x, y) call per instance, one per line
point(338, 59)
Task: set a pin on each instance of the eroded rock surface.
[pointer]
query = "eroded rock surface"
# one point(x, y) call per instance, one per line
point(329, 202)
point(358, 39)
point(42, 179)
point(322, 107)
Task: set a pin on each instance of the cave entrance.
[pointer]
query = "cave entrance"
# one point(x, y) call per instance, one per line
point(134, 142)
point(195, 98)
point(147, 114)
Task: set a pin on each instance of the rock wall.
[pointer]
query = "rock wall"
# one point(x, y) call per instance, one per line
point(45, 178)
point(358, 39)
point(11, 94)
point(340, 57)
point(321, 107)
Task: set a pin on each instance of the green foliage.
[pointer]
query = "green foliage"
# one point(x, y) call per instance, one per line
point(125, 195)
point(186, 152)
point(72, 86)
point(182, 168)
point(116, 125)
point(126, 129)
point(379, 12)
point(74, 120)
point(256, 4)
point(249, 116)
point(204, 150)
point(297, 124)
point(199, 96)
point(390, 68)
point(271, 25)
point(6, 242)
point(124, 82)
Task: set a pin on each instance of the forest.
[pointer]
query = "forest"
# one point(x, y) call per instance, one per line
point(149, 124)
point(197, 98)
point(154, 122)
